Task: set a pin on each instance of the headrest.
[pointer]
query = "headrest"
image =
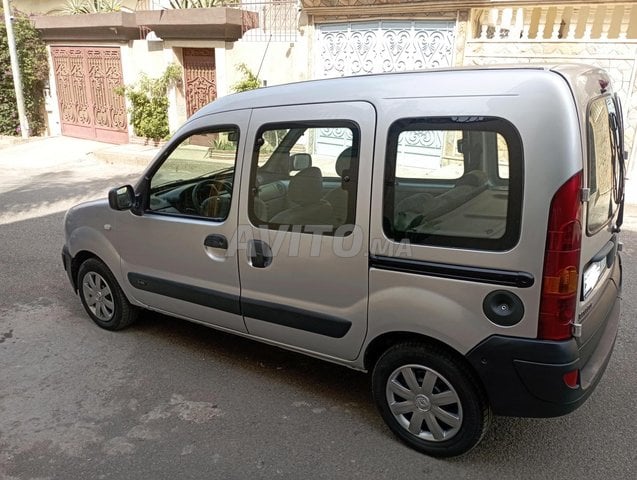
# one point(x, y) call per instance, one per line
point(415, 203)
point(343, 161)
point(306, 187)
point(474, 178)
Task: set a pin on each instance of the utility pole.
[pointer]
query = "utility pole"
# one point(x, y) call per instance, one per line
point(15, 68)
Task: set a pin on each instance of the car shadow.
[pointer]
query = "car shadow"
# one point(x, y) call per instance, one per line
point(335, 383)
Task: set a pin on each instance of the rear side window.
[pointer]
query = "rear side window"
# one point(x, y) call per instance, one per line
point(601, 151)
point(454, 182)
point(305, 178)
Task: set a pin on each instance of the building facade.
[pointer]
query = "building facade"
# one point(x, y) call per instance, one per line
point(292, 40)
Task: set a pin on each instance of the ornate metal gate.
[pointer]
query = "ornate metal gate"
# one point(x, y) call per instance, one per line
point(200, 78)
point(383, 46)
point(386, 46)
point(86, 78)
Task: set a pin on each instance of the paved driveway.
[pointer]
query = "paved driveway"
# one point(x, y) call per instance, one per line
point(169, 399)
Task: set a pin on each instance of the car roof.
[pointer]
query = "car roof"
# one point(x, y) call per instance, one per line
point(490, 80)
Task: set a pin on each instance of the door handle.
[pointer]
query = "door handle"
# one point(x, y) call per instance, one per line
point(259, 254)
point(216, 241)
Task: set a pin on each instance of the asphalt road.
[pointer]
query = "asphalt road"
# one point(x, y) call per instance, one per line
point(169, 399)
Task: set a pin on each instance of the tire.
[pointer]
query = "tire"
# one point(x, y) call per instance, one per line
point(419, 387)
point(102, 297)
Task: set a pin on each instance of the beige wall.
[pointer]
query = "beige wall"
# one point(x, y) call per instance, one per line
point(283, 62)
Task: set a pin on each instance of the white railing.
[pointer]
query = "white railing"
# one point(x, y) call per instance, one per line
point(278, 20)
point(559, 22)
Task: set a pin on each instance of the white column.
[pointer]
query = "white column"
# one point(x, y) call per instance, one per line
point(15, 70)
point(518, 28)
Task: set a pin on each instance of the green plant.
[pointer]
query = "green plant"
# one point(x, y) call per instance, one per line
point(78, 7)
point(34, 71)
point(249, 81)
point(223, 143)
point(177, 4)
point(149, 102)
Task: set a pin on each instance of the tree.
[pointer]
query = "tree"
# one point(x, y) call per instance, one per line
point(34, 70)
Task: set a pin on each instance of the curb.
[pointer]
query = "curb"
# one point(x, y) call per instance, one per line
point(118, 155)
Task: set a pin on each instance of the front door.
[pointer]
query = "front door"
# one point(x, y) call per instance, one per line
point(176, 255)
point(303, 226)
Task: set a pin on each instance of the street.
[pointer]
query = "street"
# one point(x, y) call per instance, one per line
point(169, 399)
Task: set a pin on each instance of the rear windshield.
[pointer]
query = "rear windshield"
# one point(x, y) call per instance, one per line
point(602, 153)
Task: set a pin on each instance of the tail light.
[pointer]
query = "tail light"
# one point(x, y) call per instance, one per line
point(561, 262)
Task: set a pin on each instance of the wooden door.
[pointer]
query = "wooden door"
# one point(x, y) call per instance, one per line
point(200, 78)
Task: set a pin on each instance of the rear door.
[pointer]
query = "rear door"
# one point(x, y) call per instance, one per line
point(304, 267)
point(605, 163)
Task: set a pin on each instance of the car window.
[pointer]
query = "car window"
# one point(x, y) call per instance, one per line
point(197, 177)
point(305, 176)
point(601, 153)
point(453, 182)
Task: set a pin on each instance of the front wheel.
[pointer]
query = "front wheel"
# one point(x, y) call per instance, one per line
point(430, 399)
point(102, 297)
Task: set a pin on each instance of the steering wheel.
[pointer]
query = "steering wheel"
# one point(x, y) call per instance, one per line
point(207, 196)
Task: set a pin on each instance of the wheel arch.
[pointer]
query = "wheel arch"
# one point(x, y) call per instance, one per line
point(79, 258)
point(381, 343)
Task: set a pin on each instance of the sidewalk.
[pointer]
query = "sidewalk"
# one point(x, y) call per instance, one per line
point(66, 171)
point(56, 152)
point(130, 154)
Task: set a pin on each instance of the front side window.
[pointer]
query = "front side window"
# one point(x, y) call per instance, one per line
point(601, 160)
point(305, 177)
point(454, 182)
point(197, 177)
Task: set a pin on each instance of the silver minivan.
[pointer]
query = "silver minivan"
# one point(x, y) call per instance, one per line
point(454, 232)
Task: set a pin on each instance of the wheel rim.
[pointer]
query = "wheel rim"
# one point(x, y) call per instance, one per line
point(98, 296)
point(424, 403)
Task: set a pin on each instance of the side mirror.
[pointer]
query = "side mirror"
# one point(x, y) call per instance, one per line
point(121, 198)
point(300, 161)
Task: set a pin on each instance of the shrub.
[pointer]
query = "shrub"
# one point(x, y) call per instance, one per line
point(249, 81)
point(34, 71)
point(176, 4)
point(149, 103)
point(78, 7)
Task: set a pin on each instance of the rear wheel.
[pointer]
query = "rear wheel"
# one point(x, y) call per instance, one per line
point(430, 399)
point(102, 297)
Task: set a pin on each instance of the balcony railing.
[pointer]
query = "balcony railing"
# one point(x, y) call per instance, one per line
point(278, 20)
point(560, 22)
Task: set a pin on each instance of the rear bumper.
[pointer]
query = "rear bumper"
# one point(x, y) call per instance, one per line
point(524, 377)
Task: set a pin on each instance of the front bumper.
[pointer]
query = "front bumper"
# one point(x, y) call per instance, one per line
point(524, 377)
